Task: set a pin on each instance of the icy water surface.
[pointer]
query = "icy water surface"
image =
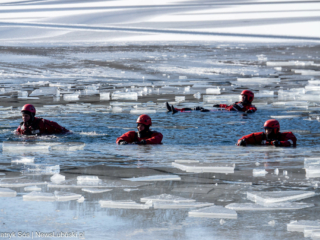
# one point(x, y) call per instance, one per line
point(154, 74)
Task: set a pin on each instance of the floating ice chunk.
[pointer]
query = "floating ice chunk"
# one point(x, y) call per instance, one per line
point(214, 212)
point(314, 82)
point(130, 189)
point(182, 77)
point(264, 198)
point(116, 109)
point(88, 178)
point(24, 160)
point(312, 88)
point(315, 234)
point(68, 146)
point(311, 232)
point(186, 161)
point(286, 116)
point(276, 171)
point(264, 93)
point(124, 95)
point(166, 198)
point(259, 172)
point(213, 91)
point(309, 97)
point(46, 169)
point(39, 196)
point(312, 173)
point(272, 223)
point(299, 226)
point(205, 167)
point(95, 190)
point(259, 80)
point(32, 188)
point(285, 172)
point(269, 207)
point(45, 91)
point(81, 200)
point(290, 63)
point(312, 163)
point(19, 182)
point(66, 196)
point(278, 68)
point(57, 178)
point(174, 205)
point(306, 72)
point(104, 95)
point(24, 147)
point(222, 221)
point(123, 204)
point(154, 178)
point(22, 94)
point(71, 97)
point(7, 192)
point(180, 98)
point(197, 95)
point(142, 111)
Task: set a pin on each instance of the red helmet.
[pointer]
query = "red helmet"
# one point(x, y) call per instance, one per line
point(29, 108)
point(272, 124)
point(248, 94)
point(144, 119)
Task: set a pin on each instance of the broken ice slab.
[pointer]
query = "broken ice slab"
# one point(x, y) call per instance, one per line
point(269, 207)
point(214, 212)
point(309, 97)
point(71, 97)
point(311, 231)
point(68, 146)
point(312, 163)
point(57, 178)
point(197, 95)
point(105, 96)
point(130, 189)
point(19, 182)
point(306, 72)
point(186, 161)
point(7, 192)
point(286, 116)
point(117, 109)
point(66, 196)
point(299, 226)
point(312, 173)
point(213, 91)
point(259, 172)
point(123, 204)
point(205, 167)
point(24, 147)
point(39, 196)
point(95, 190)
point(265, 198)
point(290, 63)
point(32, 188)
point(174, 205)
point(180, 98)
point(264, 93)
point(154, 178)
point(45, 169)
point(45, 91)
point(166, 198)
point(142, 111)
point(220, 98)
point(22, 94)
point(73, 183)
point(88, 178)
point(290, 104)
point(124, 95)
point(23, 160)
point(258, 80)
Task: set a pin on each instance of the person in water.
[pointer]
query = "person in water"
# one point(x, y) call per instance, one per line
point(143, 136)
point(243, 106)
point(271, 136)
point(32, 125)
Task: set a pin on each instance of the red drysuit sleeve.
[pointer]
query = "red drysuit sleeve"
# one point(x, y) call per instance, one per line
point(253, 138)
point(156, 138)
point(129, 137)
point(50, 127)
point(288, 139)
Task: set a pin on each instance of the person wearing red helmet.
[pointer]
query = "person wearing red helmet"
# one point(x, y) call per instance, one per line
point(243, 106)
point(271, 136)
point(143, 136)
point(32, 125)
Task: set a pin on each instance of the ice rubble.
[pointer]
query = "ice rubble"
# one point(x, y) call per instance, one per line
point(154, 178)
point(175, 205)
point(95, 190)
point(166, 198)
point(312, 167)
point(128, 204)
point(7, 192)
point(265, 198)
point(299, 226)
point(259, 172)
point(45, 169)
point(56, 196)
point(269, 207)
point(32, 188)
point(57, 178)
point(205, 167)
point(19, 182)
point(23, 160)
point(214, 212)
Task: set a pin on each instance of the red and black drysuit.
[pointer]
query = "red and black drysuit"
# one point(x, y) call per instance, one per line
point(237, 106)
point(40, 126)
point(285, 139)
point(150, 137)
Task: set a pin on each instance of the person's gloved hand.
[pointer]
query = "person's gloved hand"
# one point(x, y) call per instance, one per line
point(276, 143)
point(123, 143)
point(242, 142)
point(198, 108)
point(204, 110)
point(216, 105)
point(142, 142)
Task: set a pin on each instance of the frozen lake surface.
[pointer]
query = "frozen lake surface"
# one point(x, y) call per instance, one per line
point(97, 89)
